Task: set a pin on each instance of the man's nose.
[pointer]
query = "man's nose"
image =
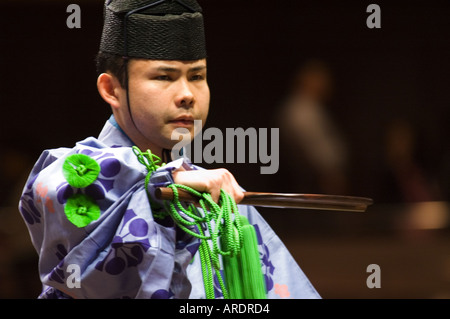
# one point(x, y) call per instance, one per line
point(185, 97)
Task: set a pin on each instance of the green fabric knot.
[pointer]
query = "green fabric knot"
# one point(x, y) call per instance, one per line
point(81, 210)
point(80, 170)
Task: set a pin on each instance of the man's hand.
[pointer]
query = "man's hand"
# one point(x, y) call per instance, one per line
point(210, 181)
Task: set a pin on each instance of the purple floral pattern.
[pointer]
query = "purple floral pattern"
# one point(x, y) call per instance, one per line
point(124, 252)
point(110, 167)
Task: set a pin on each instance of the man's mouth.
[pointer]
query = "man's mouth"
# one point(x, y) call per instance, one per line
point(183, 121)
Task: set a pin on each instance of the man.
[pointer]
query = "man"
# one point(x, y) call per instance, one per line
point(91, 210)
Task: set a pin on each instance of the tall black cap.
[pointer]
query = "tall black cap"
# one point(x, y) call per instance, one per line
point(154, 29)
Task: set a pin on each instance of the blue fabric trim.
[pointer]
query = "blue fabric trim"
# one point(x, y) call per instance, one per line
point(114, 123)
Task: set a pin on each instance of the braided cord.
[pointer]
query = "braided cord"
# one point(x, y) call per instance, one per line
point(216, 218)
point(151, 161)
point(219, 223)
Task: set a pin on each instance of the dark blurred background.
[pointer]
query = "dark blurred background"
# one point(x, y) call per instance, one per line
point(374, 103)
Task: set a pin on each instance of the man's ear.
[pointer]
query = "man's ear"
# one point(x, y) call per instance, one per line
point(109, 88)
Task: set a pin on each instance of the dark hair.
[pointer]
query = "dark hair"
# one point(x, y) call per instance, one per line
point(115, 64)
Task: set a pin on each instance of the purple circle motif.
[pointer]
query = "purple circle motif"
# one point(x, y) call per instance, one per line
point(138, 253)
point(95, 191)
point(127, 249)
point(115, 266)
point(161, 294)
point(64, 191)
point(138, 227)
point(110, 167)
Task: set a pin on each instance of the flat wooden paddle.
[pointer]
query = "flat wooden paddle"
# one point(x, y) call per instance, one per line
point(284, 200)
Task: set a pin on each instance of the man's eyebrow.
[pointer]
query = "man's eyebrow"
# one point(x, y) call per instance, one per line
point(197, 68)
point(168, 69)
point(177, 70)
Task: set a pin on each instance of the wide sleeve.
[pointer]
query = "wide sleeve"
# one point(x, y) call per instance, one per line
point(98, 238)
point(283, 276)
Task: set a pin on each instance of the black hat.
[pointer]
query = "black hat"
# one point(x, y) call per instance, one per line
point(154, 29)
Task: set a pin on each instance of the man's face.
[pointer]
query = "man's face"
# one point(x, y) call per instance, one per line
point(163, 96)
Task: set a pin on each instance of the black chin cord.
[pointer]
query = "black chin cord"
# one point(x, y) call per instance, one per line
point(165, 153)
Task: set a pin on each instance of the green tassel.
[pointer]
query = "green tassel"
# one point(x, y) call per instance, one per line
point(232, 273)
point(243, 273)
point(237, 240)
point(253, 279)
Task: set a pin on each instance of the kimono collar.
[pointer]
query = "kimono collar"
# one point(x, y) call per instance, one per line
point(113, 135)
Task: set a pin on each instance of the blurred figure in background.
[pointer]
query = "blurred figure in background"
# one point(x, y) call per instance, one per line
point(406, 180)
point(317, 153)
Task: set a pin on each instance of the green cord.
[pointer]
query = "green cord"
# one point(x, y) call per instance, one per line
point(151, 161)
point(218, 220)
point(228, 234)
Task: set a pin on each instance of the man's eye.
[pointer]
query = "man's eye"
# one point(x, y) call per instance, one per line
point(197, 77)
point(162, 78)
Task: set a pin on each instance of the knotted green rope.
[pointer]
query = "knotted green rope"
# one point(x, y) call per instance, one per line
point(227, 234)
point(220, 224)
point(151, 161)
